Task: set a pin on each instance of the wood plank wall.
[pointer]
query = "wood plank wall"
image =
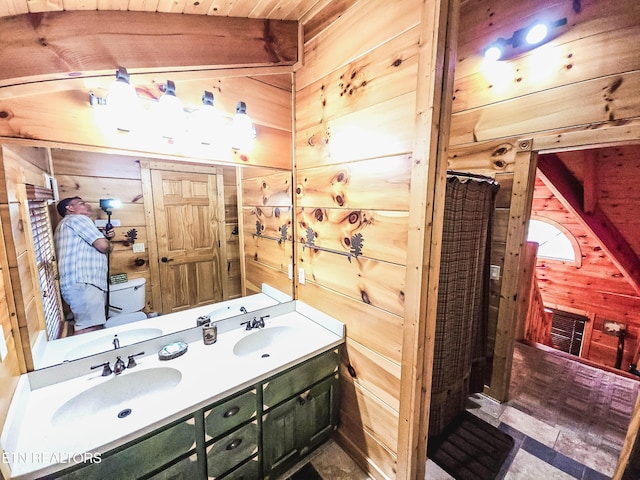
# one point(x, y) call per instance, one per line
point(355, 128)
point(584, 91)
point(267, 230)
point(594, 288)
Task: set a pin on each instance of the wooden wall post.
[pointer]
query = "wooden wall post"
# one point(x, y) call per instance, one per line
point(520, 211)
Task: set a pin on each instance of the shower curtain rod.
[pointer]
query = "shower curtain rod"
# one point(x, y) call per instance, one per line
point(454, 173)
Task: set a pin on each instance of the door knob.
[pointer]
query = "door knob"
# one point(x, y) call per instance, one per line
point(165, 259)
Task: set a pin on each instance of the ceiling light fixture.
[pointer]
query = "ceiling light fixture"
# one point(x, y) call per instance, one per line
point(522, 40)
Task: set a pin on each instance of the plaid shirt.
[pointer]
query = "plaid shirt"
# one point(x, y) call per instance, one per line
point(78, 259)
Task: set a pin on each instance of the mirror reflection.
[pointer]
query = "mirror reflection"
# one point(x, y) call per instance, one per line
point(186, 236)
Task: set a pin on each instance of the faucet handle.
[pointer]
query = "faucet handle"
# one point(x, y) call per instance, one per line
point(248, 324)
point(132, 362)
point(106, 370)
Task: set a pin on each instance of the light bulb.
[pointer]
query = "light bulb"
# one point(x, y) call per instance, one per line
point(243, 133)
point(170, 112)
point(537, 33)
point(123, 105)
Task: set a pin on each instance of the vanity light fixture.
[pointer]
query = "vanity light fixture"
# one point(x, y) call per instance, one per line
point(523, 40)
point(243, 133)
point(122, 102)
point(170, 112)
point(206, 123)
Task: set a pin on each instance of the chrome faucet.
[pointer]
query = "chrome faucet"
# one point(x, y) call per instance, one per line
point(243, 310)
point(119, 366)
point(116, 342)
point(250, 325)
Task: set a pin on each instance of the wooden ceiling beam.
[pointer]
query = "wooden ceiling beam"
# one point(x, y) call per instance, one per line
point(56, 45)
point(590, 182)
point(571, 194)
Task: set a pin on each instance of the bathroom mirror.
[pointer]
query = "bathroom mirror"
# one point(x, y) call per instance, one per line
point(153, 256)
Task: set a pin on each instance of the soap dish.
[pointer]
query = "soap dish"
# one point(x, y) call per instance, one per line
point(173, 350)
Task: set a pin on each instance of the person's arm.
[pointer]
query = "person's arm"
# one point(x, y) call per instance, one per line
point(103, 245)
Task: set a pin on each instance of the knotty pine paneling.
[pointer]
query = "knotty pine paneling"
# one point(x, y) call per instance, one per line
point(268, 252)
point(372, 372)
point(366, 449)
point(355, 129)
point(354, 36)
point(270, 190)
point(377, 283)
point(610, 98)
point(258, 273)
point(385, 73)
point(356, 185)
point(69, 164)
point(376, 329)
point(384, 233)
point(590, 28)
point(382, 130)
point(368, 412)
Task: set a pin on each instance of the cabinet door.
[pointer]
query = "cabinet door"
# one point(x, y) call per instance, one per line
point(299, 378)
point(299, 425)
point(281, 438)
point(320, 413)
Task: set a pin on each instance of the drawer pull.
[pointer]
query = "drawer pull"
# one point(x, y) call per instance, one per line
point(231, 412)
point(235, 444)
point(302, 399)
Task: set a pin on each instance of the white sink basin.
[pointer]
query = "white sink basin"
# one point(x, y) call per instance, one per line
point(105, 342)
point(266, 340)
point(110, 400)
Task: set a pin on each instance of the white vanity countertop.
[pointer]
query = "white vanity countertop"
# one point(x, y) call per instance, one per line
point(74, 347)
point(34, 445)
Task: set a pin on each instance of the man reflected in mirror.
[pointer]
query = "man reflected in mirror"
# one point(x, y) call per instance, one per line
point(82, 251)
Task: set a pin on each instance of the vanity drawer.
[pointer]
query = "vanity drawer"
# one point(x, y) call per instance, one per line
point(185, 469)
point(232, 449)
point(142, 457)
point(299, 378)
point(229, 414)
point(248, 471)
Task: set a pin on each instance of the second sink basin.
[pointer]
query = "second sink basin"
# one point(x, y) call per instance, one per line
point(105, 342)
point(109, 399)
point(265, 340)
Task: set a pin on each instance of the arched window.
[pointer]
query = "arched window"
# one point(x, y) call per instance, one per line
point(554, 241)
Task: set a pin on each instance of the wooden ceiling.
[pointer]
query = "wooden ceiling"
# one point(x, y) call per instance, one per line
point(269, 9)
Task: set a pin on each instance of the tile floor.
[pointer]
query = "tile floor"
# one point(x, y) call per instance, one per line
point(571, 433)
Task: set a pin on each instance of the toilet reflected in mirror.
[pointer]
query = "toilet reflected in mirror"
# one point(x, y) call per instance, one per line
point(126, 302)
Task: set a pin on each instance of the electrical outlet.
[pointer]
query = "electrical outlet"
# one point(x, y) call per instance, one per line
point(494, 272)
point(301, 279)
point(138, 247)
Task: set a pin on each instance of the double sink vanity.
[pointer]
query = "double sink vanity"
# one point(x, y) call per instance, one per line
point(248, 406)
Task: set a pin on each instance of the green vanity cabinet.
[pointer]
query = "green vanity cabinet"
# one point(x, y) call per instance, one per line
point(142, 457)
point(254, 434)
point(306, 416)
